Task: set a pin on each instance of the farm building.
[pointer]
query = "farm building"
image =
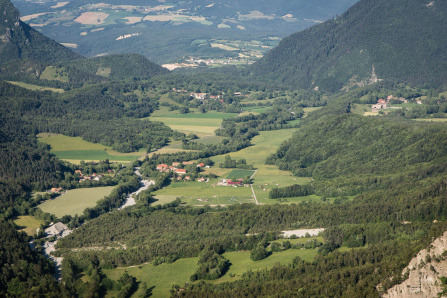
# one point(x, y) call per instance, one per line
point(56, 230)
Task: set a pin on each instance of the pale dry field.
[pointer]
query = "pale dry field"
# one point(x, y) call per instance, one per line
point(92, 18)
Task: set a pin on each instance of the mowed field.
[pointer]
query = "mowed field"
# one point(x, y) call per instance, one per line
point(204, 193)
point(75, 201)
point(164, 276)
point(28, 224)
point(201, 124)
point(75, 149)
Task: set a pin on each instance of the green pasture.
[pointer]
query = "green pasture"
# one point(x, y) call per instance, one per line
point(239, 174)
point(241, 262)
point(75, 149)
point(161, 277)
point(36, 87)
point(201, 124)
point(53, 73)
point(75, 201)
point(164, 276)
point(28, 224)
point(203, 193)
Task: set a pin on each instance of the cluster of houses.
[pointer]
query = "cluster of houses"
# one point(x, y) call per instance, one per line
point(175, 168)
point(383, 104)
point(230, 182)
point(57, 190)
point(93, 177)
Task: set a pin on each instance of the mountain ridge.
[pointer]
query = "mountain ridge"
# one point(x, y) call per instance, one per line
point(398, 40)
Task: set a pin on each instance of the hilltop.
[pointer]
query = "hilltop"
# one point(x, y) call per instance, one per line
point(374, 40)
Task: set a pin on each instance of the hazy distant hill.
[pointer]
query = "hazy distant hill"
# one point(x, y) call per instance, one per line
point(22, 47)
point(401, 40)
point(166, 31)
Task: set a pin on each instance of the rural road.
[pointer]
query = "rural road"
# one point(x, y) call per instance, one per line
point(254, 195)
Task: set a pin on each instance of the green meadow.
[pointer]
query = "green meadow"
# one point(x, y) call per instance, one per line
point(239, 174)
point(203, 193)
point(28, 224)
point(164, 276)
point(201, 124)
point(75, 149)
point(75, 201)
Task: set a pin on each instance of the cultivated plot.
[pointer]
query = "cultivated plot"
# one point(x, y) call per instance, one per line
point(75, 201)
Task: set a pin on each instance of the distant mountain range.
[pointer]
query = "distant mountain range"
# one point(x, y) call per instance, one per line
point(166, 31)
point(400, 40)
point(26, 52)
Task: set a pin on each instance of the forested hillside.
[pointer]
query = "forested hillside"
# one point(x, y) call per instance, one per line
point(23, 49)
point(375, 39)
point(118, 66)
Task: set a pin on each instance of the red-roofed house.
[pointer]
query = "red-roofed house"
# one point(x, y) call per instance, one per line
point(180, 171)
point(162, 167)
point(175, 164)
point(187, 163)
point(200, 165)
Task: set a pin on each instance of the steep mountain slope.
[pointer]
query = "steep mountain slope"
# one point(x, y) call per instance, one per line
point(375, 39)
point(20, 42)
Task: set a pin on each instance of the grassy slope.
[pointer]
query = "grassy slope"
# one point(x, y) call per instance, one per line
point(75, 201)
point(36, 87)
point(162, 277)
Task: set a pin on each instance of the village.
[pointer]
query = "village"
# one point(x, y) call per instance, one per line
point(384, 104)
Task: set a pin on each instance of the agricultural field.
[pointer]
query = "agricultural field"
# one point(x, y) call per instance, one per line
point(28, 224)
point(203, 125)
point(75, 149)
point(75, 201)
point(161, 277)
point(241, 262)
point(203, 194)
point(239, 174)
point(164, 276)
